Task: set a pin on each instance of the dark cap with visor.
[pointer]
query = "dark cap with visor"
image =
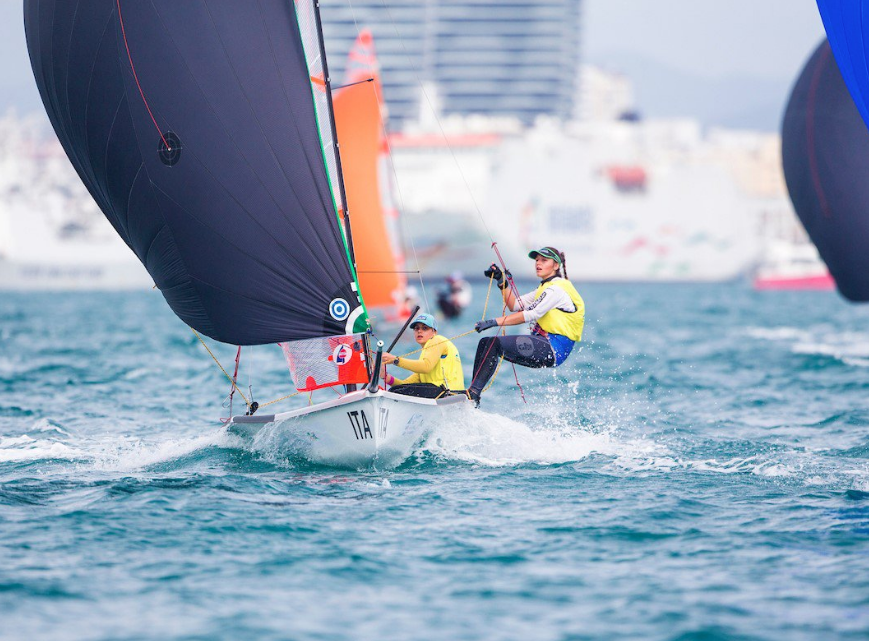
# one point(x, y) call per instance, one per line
point(547, 252)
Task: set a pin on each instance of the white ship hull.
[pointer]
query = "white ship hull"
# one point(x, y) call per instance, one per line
point(46, 275)
point(36, 255)
point(630, 202)
point(358, 430)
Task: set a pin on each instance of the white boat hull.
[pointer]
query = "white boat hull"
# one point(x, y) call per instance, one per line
point(358, 430)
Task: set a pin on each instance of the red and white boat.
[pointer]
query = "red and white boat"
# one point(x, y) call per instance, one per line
point(793, 267)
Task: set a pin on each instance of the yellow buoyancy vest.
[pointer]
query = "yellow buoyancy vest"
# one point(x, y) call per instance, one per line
point(556, 321)
point(448, 370)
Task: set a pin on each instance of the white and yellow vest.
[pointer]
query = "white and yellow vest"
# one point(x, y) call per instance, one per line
point(556, 321)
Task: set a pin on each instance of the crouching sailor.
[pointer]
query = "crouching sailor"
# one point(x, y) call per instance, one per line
point(437, 372)
point(557, 314)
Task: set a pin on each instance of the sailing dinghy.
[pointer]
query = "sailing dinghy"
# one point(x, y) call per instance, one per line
point(357, 430)
point(205, 132)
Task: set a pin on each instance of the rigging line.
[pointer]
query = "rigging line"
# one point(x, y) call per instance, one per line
point(488, 349)
point(451, 338)
point(500, 360)
point(136, 77)
point(488, 294)
point(220, 366)
point(395, 180)
point(234, 378)
point(352, 84)
point(509, 278)
point(250, 373)
point(402, 208)
point(518, 298)
point(282, 398)
point(437, 119)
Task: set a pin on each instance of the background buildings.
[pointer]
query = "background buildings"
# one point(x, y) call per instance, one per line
point(508, 83)
point(517, 58)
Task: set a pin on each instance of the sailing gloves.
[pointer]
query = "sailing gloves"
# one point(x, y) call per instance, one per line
point(495, 272)
point(502, 277)
point(483, 325)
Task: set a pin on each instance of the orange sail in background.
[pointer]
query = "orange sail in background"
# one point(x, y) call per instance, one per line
point(358, 118)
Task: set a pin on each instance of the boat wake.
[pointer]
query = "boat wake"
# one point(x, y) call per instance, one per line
point(850, 348)
point(46, 441)
point(472, 437)
point(482, 438)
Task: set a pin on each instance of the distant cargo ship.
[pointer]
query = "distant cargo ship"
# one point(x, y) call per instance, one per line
point(52, 236)
point(626, 200)
point(37, 255)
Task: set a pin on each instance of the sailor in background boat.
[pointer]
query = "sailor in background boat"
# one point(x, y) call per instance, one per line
point(437, 372)
point(455, 296)
point(556, 310)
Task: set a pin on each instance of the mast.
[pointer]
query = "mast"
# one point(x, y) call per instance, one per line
point(328, 83)
point(348, 231)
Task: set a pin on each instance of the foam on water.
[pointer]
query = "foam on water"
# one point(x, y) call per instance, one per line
point(470, 436)
point(26, 448)
point(129, 454)
point(46, 441)
point(777, 333)
point(480, 437)
point(851, 348)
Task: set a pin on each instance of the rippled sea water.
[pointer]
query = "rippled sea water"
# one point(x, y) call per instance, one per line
point(698, 470)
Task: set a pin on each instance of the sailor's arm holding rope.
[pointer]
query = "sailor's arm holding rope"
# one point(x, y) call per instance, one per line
point(510, 301)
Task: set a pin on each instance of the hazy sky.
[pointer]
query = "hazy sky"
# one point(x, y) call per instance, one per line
point(730, 62)
point(683, 54)
point(764, 38)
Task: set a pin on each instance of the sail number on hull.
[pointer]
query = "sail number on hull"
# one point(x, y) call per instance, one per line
point(361, 428)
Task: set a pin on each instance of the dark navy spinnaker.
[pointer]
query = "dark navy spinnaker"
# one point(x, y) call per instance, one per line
point(825, 154)
point(201, 130)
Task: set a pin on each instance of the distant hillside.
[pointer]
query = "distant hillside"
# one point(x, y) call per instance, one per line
point(742, 102)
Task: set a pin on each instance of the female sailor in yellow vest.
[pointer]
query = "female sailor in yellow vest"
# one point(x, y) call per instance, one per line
point(557, 314)
point(438, 370)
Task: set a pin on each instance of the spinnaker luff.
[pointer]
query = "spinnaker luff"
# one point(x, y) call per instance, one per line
point(202, 130)
point(825, 155)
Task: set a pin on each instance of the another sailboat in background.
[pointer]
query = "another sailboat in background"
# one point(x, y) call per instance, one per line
point(204, 131)
point(360, 118)
point(793, 266)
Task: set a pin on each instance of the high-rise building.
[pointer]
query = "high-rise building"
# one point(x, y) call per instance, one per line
point(497, 57)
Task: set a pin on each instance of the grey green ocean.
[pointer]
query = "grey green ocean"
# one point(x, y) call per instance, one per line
point(698, 470)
